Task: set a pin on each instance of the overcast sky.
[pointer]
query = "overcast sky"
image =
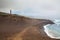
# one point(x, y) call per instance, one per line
point(33, 8)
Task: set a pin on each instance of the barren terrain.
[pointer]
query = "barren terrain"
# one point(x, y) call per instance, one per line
point(14, 27)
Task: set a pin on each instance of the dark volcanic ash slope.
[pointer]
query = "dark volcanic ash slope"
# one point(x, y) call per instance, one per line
point(14, 27)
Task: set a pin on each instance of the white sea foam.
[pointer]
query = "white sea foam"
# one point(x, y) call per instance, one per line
point(53, 31)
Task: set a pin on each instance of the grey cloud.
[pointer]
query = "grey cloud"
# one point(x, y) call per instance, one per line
point(41, 7)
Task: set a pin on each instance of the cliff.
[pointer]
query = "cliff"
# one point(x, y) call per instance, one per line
point(17, 27)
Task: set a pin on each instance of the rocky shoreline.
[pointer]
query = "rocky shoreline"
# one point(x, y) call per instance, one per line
point(14, 27)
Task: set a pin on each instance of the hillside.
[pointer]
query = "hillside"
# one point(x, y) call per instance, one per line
point(15, 27)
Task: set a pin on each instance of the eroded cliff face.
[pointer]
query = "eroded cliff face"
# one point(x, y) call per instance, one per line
point(14, 27)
